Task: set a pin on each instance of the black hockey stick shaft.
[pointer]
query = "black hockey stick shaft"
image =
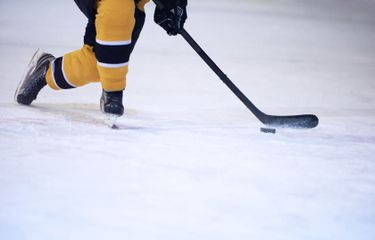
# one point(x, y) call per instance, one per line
point(222, 75)
point(295, 121)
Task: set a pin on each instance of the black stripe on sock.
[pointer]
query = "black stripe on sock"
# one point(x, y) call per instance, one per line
point(112, 54)
point(59, 76)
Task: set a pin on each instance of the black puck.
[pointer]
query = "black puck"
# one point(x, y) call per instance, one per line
point(268, 130)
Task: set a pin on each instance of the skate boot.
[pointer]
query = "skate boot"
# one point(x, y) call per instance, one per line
point(34, 79)
point(111, 106)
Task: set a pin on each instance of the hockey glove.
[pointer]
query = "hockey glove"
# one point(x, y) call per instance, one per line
point(171, 18)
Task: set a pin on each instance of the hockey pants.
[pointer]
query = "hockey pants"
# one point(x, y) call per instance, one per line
point(110, 37)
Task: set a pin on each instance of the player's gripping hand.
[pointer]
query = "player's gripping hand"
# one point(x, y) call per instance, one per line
point(172, 16)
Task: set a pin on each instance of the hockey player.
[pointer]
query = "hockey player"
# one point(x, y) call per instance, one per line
point(111, 34)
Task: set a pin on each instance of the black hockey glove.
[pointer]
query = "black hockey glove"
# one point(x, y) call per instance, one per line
point(171, 15)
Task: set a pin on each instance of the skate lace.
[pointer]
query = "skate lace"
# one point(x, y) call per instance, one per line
point(114, 98)
point(38, 82)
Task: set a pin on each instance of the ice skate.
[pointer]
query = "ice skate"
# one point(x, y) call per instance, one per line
point(111, 106)
point(34, 78)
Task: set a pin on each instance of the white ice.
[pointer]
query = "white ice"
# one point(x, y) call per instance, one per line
point(188, 160)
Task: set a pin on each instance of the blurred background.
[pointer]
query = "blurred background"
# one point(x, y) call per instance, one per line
point(188, 160)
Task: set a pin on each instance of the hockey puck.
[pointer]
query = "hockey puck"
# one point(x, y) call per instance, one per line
point(268, 130)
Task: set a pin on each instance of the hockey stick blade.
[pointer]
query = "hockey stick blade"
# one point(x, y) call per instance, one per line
point(293, 121)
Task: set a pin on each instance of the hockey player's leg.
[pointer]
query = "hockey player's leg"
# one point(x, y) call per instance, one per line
point(113, 44)
point(34, 79)
point(116, 35)
point(74, 69)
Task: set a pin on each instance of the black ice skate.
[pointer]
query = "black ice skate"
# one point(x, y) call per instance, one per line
point(34, 79)
point(111, 106)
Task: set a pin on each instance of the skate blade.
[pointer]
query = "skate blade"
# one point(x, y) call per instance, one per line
point(110, 120)
point(30, 68)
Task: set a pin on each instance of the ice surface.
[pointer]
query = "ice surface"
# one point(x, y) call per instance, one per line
point(188, 160)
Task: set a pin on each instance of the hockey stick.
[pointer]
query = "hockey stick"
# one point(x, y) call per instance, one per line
point(291, 121)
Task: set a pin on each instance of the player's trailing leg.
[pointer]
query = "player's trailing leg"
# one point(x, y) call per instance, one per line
point(111, 106)
point(34, 79)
